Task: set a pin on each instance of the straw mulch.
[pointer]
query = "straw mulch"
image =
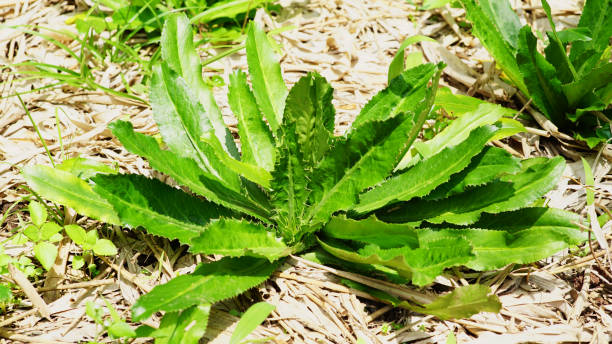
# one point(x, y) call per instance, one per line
point(565, 298)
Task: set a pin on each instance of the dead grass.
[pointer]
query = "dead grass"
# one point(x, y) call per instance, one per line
point(565, 298)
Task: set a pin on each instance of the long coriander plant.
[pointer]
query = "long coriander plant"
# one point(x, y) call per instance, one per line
point(374, 197)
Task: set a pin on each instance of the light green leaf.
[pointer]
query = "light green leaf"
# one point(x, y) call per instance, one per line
point(458, 104)
point(84, 168)
point(66, 189)
point(179, 51)
point(589, 182)
point(182, 121)
point(462, 302)
point(426, 175)
point(373, 231)
point(78, 262)
point(76, 233)
point(32, 232)
point(251, 172)
point(5, 294)
point(255, 136)
point(397, 65)
point(460, 129)
point(104, 247)
point(500, 45)
point(209, 283)
point(46, 253)
point(237, 238)
point(433, 4)
point(488, 165)
point(510, 192)
point(186, 327)
point(138, 202)
point(422, 265)
point(48, 230)
point(227, 9)
point(401, 95)
point(38, 213)
point(268, 85)
point(185, 171)
point(255, 315)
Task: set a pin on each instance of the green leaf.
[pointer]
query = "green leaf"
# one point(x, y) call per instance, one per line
point(5, 294)
point(182, 121)
point(373, 231)
point(255, 136)
point(64, 188)
point(185, 171)
point(268, 85)
point(255, 315)
point(309, 106)
point(32, 232)
point(500, 45)
point(179, 52)
point(422, 265)
point(227, 9)
point(237, 238)
point(589, 182)
point(505, 19)
point(76, 233)
point(46, 253)
point(462, 302)
point(78, 262)
point(305, 137)
point(251, 172)
point(488, 165)
point(458, 104)
point(426, 175)
point(597, 19)
point(209, 283)
point(574, 34)
point(510, 192)
point(84, 168)
point(360, 161)
point(38, 213)
point(433, 4)
point(186, 327)
point(593, 80)
point(48, 230)
point(541, 79)
point(459, 129)
point(104, 247)
point(139, 202)
point(397, 65)
point(400, 96)
point(363, 159)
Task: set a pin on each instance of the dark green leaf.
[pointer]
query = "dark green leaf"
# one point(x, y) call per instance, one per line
point(421, 265)
point(402, 95)
point(597, 19)
point(185, 171)
point(426, 175)
point(161, 209)
point(541, 79)
point(209, 283)
point(237, 238)
point(268, 85)
point(462, 302)
point(185, 327)
point(397, 65)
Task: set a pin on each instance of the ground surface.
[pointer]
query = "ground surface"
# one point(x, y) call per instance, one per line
point(563, 299)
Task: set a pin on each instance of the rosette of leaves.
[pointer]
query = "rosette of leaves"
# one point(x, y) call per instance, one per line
point(573, 90)
point(373, 197)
